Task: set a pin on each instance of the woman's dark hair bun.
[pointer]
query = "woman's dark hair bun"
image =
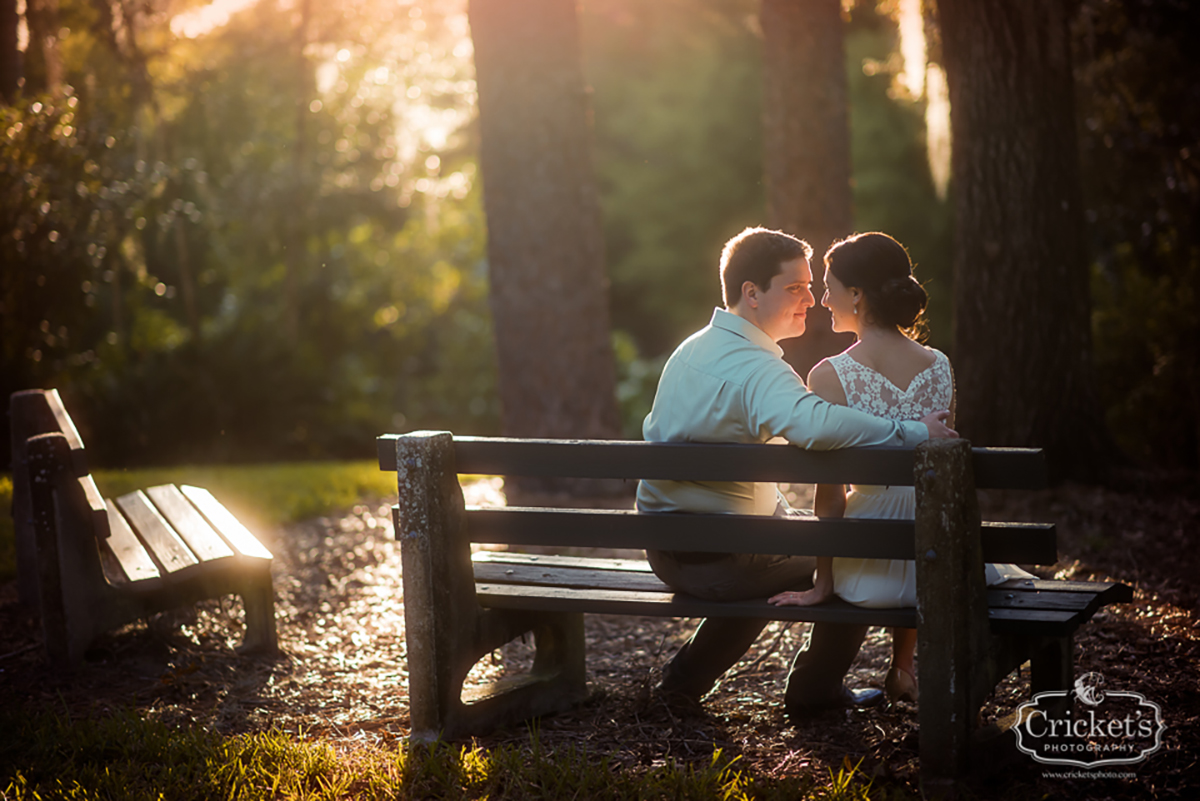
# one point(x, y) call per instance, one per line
point(899, 302)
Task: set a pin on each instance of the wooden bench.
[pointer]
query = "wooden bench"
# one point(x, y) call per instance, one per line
point(88, 564)
point(459, 607)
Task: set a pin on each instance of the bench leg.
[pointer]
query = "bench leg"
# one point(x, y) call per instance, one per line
point(258, 598)
point(1052, 664)
point(561, 652)
point(556, 682)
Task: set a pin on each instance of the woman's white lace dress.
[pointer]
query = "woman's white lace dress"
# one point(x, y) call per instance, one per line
point(892, 582)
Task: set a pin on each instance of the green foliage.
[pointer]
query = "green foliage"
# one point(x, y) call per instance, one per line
point(124, 756)
point(678, 143)
point(217, 257)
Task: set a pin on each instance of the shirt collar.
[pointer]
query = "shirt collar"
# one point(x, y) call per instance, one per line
point(745, 329)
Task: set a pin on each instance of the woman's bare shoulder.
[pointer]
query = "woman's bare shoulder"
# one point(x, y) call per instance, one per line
point(823, 382)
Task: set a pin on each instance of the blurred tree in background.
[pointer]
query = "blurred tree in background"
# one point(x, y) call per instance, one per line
point(1022, 338)
point(549, 290)
point(806, 136)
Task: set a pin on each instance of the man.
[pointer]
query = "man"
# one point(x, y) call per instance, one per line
point(729, 383)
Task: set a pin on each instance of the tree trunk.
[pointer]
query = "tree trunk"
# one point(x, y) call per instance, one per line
point(1022, 338)
point(10, 56)
point(549, 293)
point(43, 63)
point(806, 146)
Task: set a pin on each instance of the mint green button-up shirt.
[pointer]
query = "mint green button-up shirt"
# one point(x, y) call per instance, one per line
point(728, 382)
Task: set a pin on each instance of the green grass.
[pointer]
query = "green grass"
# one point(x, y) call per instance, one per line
point(43, 755)
point(261, 496)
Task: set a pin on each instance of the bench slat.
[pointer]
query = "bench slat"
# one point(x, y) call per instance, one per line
point(1019, 543)
point(135, 563)
point(579, 576)
point(66, 426)
point(995, 468)
point(1112, 591)
point(666, 604)
point(224, 522)
point(1027, 622)
point(1035, 622)
point(550, 576)
point(558, 560)
point(169, 551)
point(97, 509)
point(200, 537)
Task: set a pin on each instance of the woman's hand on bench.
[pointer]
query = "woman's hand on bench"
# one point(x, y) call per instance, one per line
point(822, 588)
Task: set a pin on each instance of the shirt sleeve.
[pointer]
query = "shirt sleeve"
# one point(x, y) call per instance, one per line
point(778, 404)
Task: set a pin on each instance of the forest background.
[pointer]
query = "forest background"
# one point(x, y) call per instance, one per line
point(263, 238)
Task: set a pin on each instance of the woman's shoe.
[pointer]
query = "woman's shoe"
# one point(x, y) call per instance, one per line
point(900, 686)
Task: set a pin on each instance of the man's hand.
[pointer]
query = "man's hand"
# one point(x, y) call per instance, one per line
point(936, 423)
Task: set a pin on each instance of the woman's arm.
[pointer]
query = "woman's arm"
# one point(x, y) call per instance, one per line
point(830, 500)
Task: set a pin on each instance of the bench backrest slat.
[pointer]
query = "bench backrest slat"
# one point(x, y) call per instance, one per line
point(995, 468)
point(1025, 543)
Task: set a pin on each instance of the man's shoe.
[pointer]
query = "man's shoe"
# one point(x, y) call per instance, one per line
point(846, 699)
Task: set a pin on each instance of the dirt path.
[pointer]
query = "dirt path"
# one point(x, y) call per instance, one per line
point(342, 677)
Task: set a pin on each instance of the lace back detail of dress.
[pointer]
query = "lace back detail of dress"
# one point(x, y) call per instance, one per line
point(868, 391)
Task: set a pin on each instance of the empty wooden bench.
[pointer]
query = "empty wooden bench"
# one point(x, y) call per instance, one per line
point(459, 608)
point(89, 564)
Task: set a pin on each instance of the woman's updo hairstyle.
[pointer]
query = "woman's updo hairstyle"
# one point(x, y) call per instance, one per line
point(879, 266)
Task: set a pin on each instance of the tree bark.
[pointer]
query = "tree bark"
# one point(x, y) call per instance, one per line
point(548, 289)
point(10, 56)
point(1022, 337)
point(806, 146)
point(43, 63)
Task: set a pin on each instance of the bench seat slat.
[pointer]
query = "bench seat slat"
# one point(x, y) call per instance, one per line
point(1040, 622)
point(569, 586)
point(1019, 543)
point(668, 604)
point(130, 555)
point(205, 543)
point(995, 468)
point(1113, 592)
point(578, 575)
point(552, 576)
point(237, 535)
point(169, 551)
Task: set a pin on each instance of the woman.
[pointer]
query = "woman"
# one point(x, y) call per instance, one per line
point(870, 291)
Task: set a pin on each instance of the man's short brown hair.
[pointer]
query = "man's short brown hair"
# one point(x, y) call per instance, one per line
point(757, 254)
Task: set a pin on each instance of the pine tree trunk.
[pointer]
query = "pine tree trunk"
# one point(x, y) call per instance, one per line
point(1022, 338)
point(43, 62)
point(549, 293)
point(806, 146)
point(10, 56)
